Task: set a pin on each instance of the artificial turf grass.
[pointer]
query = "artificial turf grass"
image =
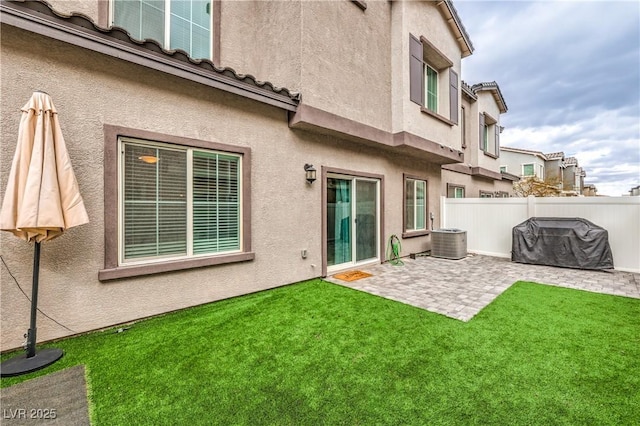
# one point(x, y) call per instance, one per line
point(320, 353)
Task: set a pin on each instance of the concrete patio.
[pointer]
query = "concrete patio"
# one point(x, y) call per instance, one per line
point(461, 288)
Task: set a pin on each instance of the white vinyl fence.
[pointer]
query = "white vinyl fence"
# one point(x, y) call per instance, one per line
point(489, 221)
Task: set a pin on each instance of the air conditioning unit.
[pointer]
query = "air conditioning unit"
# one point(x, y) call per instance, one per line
point(449, 243)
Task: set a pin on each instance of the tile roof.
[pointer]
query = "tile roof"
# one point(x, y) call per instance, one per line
point(466, 89)
point(524, 151)
point(81, 25)
point(570, 161)
point(555, 155)
point(495, 89)
point(452, 17)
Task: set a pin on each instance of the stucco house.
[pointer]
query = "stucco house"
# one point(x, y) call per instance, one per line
point(523, 162)
point(480, 174)
point(554, 168)
point(195, 131)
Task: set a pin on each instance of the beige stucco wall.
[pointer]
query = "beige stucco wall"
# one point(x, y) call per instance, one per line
point(90, 90)
point(473, 185)
point(331, 51)
point(262, 38)
point(421, 19)
point(472, 149)
point(487, 105)
point(515, 160)
point(346, 66)
point(89, 8)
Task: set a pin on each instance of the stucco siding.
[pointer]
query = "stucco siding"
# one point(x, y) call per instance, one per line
point(424, 19)
point(346, 67)
point(473, 185)
point(91, 90)
point(262, 38)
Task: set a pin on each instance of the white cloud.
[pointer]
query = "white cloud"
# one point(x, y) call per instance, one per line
point(570, 74)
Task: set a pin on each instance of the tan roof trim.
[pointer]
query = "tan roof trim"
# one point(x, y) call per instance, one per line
point(319, 121)
point(479, 172)
point(524, 151)
point(79, 30)
point(450, 14)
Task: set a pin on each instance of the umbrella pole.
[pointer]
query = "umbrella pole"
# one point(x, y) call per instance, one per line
point(31, 361)
point(31, 334)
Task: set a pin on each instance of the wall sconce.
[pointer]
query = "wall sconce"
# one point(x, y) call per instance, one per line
point(310, 173)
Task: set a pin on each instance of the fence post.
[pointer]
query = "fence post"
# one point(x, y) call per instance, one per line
point(531, 206)
point(443, 212)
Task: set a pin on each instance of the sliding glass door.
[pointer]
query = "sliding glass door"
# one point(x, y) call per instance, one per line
point(352, 220)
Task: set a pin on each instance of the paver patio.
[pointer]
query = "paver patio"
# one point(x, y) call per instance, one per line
point(461, 288)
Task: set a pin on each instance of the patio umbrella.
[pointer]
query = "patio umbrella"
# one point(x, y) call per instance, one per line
point(42, 200)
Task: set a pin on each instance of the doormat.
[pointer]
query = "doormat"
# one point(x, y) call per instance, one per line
point(351, 275)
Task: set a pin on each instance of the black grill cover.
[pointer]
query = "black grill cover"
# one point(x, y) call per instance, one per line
point(566, 242)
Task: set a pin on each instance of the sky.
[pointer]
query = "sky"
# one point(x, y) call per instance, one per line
point(570, 74)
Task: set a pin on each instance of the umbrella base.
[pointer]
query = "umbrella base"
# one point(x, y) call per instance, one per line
point(23, 365)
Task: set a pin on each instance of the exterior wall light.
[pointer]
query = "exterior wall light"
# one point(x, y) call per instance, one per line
point(310, 173)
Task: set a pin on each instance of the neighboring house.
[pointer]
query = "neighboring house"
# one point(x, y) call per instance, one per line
point(635, 191)
point(589, 190)
point(523, 163)
point(193, 171)
point(553, 168)
point(480, 175)
point(573, 178)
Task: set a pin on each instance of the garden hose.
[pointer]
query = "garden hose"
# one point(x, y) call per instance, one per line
point(394, 248)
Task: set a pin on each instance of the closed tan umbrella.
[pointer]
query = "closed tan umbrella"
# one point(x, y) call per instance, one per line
point(42, 200)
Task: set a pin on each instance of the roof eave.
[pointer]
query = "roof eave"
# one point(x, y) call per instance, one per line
point(459, 31)
point(59, 28)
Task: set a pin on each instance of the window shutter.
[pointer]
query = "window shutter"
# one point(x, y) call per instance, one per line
point(497, 139)
point(453, 96)
point(481, 128)
point(416, 72)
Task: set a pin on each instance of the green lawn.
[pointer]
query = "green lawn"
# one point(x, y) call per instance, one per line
point(314, 353)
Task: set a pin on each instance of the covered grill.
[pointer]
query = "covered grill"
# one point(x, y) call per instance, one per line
point(566, 242)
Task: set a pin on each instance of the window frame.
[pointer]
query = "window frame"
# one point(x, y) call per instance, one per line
point(486, 194)
point(506, 169)
point(113, 269)
point(455, 187)
point(423, 54)
point(427, 93)
point(410, 233)
point(190, 202)
point(214, 20)
point(489, 135)
point(533, 169)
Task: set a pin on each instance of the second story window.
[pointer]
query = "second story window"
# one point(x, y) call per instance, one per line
point(527, 170)
point(489, 135)
point(431, 88)
point(433, 84)
point(175, 24)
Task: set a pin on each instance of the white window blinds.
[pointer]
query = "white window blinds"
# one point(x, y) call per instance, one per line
point(216, 203)
point(178, 202)
point(415, 204)
point(155, 205)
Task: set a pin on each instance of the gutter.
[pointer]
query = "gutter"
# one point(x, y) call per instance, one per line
point(65, 30)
